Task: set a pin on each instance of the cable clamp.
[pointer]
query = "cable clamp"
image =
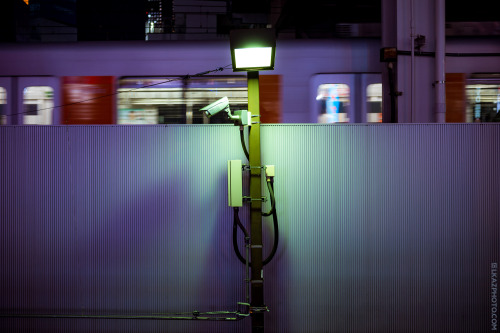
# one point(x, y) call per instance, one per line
point(256, 281)
point(249, 167)
point(438, 82)
point(263, 199)
point(258, 309)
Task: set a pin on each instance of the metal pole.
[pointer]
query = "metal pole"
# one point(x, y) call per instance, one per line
point(440, 104)
point(257, 283)
point(412, 71)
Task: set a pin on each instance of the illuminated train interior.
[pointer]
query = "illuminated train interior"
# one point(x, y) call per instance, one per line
point(178, 102)
point(170, 101)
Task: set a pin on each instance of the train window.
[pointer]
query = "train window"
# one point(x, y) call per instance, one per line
point(374, 103)
point(333, 100)
point(483, 102)
point(137, 116)
point(3, 102)
point(38, 102)
point(164, 100)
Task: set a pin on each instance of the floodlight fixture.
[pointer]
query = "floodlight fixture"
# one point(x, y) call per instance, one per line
point(252, 49)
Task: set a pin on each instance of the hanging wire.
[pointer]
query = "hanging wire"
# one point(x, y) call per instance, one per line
point(243, 145)
point(180, 78)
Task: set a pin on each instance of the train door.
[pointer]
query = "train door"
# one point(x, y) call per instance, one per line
point(36, 100)
point(346, 98)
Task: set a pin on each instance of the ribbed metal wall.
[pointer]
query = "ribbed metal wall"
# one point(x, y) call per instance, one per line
point(383, 228)
point(121, 220)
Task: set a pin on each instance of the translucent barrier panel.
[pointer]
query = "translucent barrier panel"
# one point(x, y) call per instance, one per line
point(38, 102)
point(333, 100)
point(374, 103)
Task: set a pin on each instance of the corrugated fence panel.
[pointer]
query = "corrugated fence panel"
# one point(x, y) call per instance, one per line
point(383, 228)
point(117, 220)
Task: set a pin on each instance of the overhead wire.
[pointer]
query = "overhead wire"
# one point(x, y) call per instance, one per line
point(179, 78)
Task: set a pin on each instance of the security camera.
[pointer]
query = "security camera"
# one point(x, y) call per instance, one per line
point(216, 107)
point(240, 117)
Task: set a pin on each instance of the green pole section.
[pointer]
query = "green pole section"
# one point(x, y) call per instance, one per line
point(257, 285)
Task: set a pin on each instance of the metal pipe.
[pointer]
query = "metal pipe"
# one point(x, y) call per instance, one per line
point(440, 106)
point(412, 65)
point(195, 316)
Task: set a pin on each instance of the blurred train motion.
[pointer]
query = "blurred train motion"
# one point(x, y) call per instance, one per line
point(315, 81)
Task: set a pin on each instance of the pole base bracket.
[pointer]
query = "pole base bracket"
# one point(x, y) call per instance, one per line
point(259, 309)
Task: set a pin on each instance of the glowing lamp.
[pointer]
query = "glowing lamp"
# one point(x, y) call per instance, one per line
point(252, 49)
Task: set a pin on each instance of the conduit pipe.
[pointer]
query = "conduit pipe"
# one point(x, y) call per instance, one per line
point(412, 65)
point(440, 97)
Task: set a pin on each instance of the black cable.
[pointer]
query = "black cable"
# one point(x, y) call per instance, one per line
point(243, 145)
point(237, 223)
point(271, 194)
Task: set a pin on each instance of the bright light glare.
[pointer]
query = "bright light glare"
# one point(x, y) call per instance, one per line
point(253, 57)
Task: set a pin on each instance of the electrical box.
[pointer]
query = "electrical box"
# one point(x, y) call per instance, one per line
point(270, 171)
point(245, 117)
point(234, 183)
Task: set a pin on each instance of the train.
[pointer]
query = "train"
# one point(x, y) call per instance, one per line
point(167, 82)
